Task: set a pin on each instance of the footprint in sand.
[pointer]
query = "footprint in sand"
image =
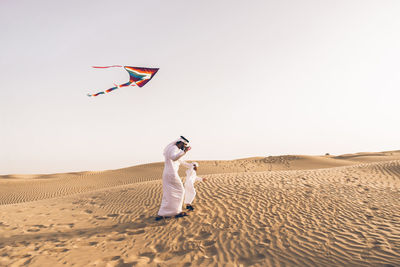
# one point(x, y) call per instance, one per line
point(180, 252)
point(212, 250)
point(260, 256)
point(160, 248)
point(148, 254)
point(138, 225)
point(235, 233)
point(204, 235)
point(137, 232)
point(112, 258)
point(112, 215)
point(267, 241)
point(209, 243)
point(185, 223)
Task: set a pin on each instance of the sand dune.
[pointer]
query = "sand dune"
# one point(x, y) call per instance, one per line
point(263, 211)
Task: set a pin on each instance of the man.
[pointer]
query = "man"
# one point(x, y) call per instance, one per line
point(173, 190)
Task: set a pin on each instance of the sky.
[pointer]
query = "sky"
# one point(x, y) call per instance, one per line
point(237, 78)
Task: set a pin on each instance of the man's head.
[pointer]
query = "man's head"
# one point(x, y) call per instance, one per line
point(181, 145)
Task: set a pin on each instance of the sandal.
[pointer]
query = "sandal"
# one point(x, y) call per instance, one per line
point(161, 217)
point(182, 214)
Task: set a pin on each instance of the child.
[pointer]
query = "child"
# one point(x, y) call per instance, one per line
point(191, 178)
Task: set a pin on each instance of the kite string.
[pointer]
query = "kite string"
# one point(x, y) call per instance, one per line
point(113, 66)
point(110, 89)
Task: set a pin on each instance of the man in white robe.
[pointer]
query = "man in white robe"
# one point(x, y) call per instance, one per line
point(173, 191)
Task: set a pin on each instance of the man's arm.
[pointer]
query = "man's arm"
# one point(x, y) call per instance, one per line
point(187, 165)
point(176, 156)
point(179, 155)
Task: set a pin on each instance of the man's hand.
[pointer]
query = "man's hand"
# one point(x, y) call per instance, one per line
point(187, 148)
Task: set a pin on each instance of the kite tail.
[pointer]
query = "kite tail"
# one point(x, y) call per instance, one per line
point(111, 89)
point(105, 67)
point(125, 84)
point(103, 92)
point(96, 94)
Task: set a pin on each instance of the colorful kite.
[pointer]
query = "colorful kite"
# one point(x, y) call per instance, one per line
point(138, 76)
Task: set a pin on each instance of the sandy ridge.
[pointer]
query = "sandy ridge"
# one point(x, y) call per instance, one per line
point(345, 216)
point(36, 187)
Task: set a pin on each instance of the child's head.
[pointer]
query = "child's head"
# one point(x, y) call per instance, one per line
point(195, 166)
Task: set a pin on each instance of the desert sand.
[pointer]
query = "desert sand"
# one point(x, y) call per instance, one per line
point(264, 211)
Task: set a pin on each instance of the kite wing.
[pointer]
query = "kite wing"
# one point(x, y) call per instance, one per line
point(137, 76)
point(140, 76)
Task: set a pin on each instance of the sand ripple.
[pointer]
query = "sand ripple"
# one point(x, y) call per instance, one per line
point(340, 216)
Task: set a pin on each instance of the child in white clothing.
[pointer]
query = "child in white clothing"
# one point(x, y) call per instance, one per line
point(191, 178)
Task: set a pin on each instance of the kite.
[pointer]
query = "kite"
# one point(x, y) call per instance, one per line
point(137, 76)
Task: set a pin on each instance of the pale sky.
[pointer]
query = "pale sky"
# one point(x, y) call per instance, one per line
point(237, 78)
